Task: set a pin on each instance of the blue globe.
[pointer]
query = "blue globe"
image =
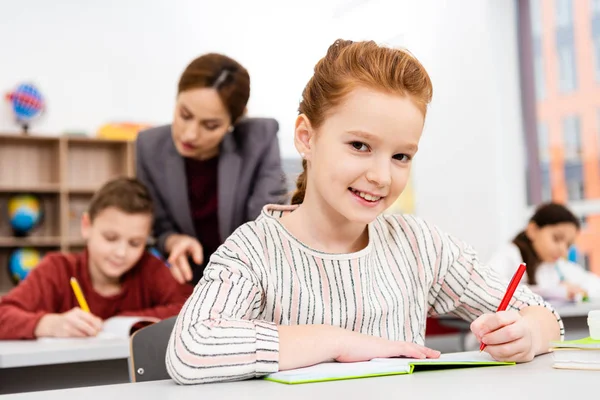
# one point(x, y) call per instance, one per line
point(27, 102)
point(21, 262)
point(24, 213)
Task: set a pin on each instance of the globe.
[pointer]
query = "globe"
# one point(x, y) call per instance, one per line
point(21, 262)
point(27, 103)
point(24, 213)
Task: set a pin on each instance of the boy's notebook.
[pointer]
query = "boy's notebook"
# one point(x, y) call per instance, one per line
point(577, 354)
point(381, 367)
point(124, 326)
point(115, 327)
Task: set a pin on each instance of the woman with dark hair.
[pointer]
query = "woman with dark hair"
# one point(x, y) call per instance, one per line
point(212, 169)
point(543, 246)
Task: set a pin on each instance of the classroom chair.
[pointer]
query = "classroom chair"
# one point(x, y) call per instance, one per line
point(148, 347)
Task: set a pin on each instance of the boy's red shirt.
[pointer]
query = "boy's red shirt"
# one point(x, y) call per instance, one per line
point(148, 289)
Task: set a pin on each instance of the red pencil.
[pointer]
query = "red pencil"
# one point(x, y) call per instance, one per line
point(512, 286)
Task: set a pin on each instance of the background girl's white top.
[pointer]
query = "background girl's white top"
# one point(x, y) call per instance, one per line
point(548, 275)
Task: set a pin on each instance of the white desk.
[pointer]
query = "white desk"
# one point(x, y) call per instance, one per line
point(535, 380)
point(575, 310)
point(574, 316)
point(62, 363)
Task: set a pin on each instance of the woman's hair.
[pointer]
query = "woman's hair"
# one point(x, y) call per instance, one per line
point(546, 214)
point(348, 65)
point(223, 74)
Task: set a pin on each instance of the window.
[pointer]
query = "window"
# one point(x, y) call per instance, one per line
point(544, 158)
point(566, 68)
point(564, 13)
point(565, 46)
point(595, 7)
point(583, 221)
point(538, 61)
point(572, 139)
point(575, 189)
point(538, 65)
point(596, 51)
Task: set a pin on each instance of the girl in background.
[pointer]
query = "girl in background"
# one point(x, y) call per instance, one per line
point(543, 246)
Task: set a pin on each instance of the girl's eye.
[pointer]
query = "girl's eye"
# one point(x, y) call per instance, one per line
point(360, 146)
point(558, 239)
point(402, 157)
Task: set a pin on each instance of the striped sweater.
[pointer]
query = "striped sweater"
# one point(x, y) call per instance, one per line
point(262, 277)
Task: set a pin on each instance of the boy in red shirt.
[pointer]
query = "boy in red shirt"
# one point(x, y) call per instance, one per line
point(116, 274)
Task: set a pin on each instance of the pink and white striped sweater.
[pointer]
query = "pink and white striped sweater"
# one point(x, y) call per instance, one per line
point(262, 277)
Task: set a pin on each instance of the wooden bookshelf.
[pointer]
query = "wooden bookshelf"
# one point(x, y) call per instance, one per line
point(63, 172)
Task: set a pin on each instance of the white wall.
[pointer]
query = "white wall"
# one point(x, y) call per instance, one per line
point(101, 61)
point(470, 176)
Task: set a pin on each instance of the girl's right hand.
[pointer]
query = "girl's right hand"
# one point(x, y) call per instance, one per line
point(574, 291)
point(358, 347)
point(180, 247)
point(73, 323)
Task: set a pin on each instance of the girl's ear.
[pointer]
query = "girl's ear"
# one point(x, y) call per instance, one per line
point(532, 231)
point(303, 136)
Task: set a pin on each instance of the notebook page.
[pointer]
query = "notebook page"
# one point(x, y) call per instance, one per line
point(467, 356)
point(334, 370)
point(377, 366)
point(100, 336)
point(120, 326)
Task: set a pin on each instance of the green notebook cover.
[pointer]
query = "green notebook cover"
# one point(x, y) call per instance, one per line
point(585, 343)
point(381, 367)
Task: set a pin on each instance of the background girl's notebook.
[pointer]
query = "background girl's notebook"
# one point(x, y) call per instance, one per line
point(381, 367)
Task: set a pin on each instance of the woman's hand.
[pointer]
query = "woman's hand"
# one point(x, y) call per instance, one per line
point(180, 247)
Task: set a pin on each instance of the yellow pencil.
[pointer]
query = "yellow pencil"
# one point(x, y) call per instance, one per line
point(79, 295)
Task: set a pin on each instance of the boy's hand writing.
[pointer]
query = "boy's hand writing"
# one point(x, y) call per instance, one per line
point(73, 323)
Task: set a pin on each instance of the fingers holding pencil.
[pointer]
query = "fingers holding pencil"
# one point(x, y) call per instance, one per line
point(505, 335)
point(510, 291)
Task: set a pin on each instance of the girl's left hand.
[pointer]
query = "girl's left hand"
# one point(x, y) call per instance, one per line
point(506, 334)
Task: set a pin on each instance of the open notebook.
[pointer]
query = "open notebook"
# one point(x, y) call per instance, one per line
point(115, 327)
point(577, 354)
point(381, 367)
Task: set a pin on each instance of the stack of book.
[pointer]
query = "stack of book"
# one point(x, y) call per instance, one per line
point(577, 354)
